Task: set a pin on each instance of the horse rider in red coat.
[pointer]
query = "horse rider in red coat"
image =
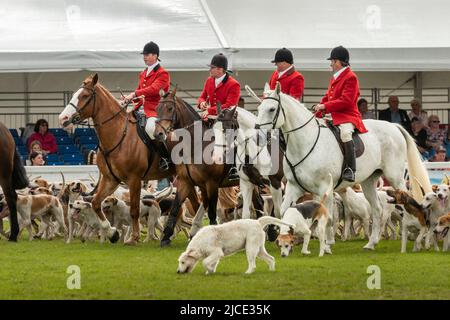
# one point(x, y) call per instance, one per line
point(291, 81)
point(221, 91)
point(151, 81)
point(341, 102)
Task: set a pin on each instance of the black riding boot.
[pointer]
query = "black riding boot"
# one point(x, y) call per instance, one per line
point(350, 162)
point(164, 161)
point(233, 174)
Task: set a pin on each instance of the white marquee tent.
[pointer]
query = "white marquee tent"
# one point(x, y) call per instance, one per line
point(71, 35)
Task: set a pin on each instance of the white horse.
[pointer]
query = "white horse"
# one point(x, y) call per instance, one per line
point(312, 152)
point(246, 145)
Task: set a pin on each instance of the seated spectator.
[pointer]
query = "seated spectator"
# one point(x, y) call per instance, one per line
point(35, 146)
point(435, 135)
point(364, 109)
point(419, 133)
point(46, 138)
point(418, 112)
point(37, 159)
point(440, 155)
point(394, 114)
point(92, 158)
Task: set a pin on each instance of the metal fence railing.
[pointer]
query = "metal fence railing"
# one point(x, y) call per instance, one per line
point(20, 108)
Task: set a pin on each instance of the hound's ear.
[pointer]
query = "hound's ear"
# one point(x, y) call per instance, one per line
point(115, 201)
point(277, 243)
point(95, 79)
point(434, 187)
point(278, 88)
point(446, 180)
point(193, 254)
point(70, 206)
point(161, 93)
point(291, 231)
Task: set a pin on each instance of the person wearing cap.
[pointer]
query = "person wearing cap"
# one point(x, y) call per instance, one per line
point(221, 91)
point(151, 81)
point(341, 102)
point(291, 81)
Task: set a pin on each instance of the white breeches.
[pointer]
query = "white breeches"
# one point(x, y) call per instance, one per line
point(150, 127)
point(346, 131)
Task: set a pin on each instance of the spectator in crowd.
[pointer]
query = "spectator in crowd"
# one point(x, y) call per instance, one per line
point(447, 144)
point(418, 112)
point(364, 109)
point(37, 159)
point(419, 134)
point(92, 158)
point(241, 103)
point(440, 155)
point(46, 138)
point(35, 146)
point(435, 135)
point(394, 114)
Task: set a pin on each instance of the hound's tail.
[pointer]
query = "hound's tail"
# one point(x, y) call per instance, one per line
point(266, 220)
point(415, 167)
point(329, 190)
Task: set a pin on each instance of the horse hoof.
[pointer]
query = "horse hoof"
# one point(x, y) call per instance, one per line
point(165, 243)
point(368, 247)
point(115, 237)
point(12, 239)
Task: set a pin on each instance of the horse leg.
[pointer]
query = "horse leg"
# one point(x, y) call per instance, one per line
point(292, 194)
point(135, 201)
point(247, 192)
point(182, 192)
point(277, 198)
point(11, 200)
point(106, 187)
point(371, 195)
point(213, 195)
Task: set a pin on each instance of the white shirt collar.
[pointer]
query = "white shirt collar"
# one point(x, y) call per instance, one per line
point(339, 72)
point(151, 67)
point(219, 80)
point(283, 72)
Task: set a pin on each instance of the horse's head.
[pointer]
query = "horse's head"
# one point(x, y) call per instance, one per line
point(167, 114)
point(270, 112)
point(82, 104)
point(226, 123)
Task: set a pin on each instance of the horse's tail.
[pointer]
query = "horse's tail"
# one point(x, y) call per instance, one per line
point(416, 168)
point(19, 175)
point(266, 220)
point(329, 190)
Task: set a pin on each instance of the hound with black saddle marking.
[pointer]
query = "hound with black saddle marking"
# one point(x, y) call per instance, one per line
point(214, 242)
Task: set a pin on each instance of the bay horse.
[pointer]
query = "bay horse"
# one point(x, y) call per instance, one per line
point(268, 171)
point(176, 118)
point(12, 177)
point(122, 155)
point(313, 152)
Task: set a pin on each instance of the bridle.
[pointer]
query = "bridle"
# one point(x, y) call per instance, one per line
point(286, 134)
point(172, 120)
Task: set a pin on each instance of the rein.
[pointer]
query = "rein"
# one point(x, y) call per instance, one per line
point(273, 123)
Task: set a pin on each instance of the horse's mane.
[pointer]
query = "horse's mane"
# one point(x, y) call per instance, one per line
point(107, 92)
point(190, 109)
point(247, 115)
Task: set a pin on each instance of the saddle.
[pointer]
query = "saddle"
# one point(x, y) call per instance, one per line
point(359, 145)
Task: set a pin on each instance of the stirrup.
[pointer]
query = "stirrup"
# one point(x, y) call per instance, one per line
point(348, 174)
point(233, 174)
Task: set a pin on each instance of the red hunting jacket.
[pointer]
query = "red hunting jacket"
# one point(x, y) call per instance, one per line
point(292, 83)
point(149, 87)
point(340, 100)
point(227, 94)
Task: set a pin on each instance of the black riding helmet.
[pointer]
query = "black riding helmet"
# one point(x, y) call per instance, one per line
point(220, 61)
point(151, 47)
point(284, 54)
point(340, 53)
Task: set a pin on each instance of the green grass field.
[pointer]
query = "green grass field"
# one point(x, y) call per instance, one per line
point(37, 270)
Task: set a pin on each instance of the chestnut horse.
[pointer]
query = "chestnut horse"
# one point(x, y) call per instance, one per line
point(174, 113)
point(122, 157)
point(12, 177)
